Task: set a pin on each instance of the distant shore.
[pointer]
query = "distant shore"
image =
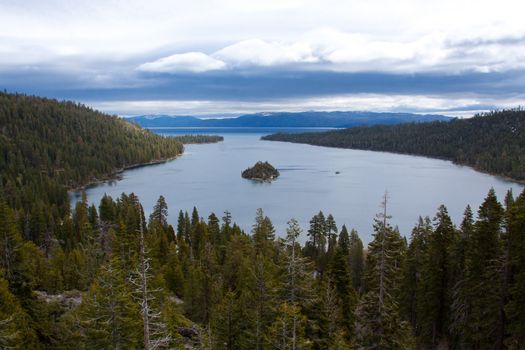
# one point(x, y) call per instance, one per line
point(507, 178)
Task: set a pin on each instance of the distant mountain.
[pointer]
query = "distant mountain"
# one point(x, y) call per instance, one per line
point(288, 119)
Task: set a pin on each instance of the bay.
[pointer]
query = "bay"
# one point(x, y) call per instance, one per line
point(349, 184)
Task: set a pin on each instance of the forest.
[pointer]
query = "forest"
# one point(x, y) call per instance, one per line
point(107, 277)
point(492, 142)
point(48, 147)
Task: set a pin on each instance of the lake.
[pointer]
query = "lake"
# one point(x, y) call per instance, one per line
point(209, 178)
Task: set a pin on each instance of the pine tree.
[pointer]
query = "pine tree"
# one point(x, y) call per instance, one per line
point(297, 288)
point(329, 319)
point(316, 245)
point(228, 323)
point(331, 234)
point(263, 233)
point(160, 212)
point(506, 272)
point(342, 280)
point(108, 315)
point(210, 285)
point(155, 332)
point(214, 230)
point(378, 323)
point(83, 228)
point(460, 308)
point(434, 302)
point(356, 259)
point(226, 225)
point(107, 209)
point(10, 242)
point(514, 309)
point(15, 332)
point(261, 292)
point(483, 275)
point(287, 332)
point(181, 228)
point(413, 273)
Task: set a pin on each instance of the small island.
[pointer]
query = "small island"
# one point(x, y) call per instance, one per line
point(261, 171)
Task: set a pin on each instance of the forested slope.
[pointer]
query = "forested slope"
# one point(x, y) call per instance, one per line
point(47, 146)
point(492, 142)
point(107, 277)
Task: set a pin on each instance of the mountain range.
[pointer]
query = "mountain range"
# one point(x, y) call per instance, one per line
point(337, 119)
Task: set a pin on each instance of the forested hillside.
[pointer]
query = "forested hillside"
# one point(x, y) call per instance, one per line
point(492, 142)
point(48, 146)
point(106, 277)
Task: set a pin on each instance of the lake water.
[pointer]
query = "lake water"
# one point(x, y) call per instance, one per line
point(209, 177)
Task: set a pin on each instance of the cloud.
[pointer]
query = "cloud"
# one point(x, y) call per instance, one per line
point(330, 49)
point(244, 50)
point(263, 53)
point(196, 62)
point(448, 105)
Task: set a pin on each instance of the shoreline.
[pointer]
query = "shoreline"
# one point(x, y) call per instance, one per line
point(506, 178)
point(115, 174)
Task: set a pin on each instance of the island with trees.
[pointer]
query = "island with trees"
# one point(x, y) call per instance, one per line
point(261, 171)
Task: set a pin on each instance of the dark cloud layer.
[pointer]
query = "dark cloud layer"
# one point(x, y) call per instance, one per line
point(261, 85)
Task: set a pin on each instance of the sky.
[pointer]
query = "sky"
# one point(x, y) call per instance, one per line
point(229, 57)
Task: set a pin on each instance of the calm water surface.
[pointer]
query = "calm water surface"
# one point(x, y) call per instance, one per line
point(209, 177)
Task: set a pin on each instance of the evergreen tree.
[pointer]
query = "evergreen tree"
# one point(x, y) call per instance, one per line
point(107, 209)
point(10, 242)
point(228, 323)
point(262, 287)
point(15, 332)
point(263, 233)
point(483, 276)
point(109, 317)
point(297, 288)
point(214, 230)
point(287, 332)
point(155, 332)
point(460, 308)
point(514, 309)
point(226, 224)
point(434, 302)
point(356, 259)
point(413, 271)
point(331, 234)
point(342, 279)
point(331, 335)
point(160, 212)
point(181, 227)
point(316, 245)
point(378, 323)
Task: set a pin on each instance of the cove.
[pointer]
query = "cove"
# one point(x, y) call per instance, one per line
point(349, 184)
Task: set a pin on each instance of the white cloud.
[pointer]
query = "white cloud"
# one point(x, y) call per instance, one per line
point(330, 49)
point(448, 105)
point(99, 29)
point(196, 62)
point(262, 53)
